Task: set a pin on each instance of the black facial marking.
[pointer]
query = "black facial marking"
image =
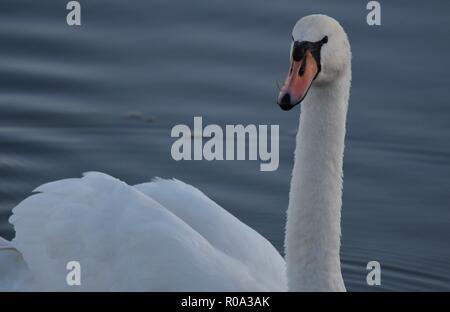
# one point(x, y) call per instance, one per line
point(299, 51)
point(301, 71)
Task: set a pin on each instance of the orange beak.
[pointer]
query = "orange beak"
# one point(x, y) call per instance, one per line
point(298, 81)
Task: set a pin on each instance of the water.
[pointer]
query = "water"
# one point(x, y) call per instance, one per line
point(67, 95)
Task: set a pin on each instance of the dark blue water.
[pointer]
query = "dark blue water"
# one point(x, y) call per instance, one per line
point(104, 96)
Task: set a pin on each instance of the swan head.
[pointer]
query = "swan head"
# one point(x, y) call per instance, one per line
point(320, 53)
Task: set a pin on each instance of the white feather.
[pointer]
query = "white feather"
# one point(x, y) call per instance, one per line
point(159, 236)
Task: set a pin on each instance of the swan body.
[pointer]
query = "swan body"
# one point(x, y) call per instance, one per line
point(159, 236)
point(166, 235)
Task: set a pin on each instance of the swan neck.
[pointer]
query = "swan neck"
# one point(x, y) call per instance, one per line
point(313, 227)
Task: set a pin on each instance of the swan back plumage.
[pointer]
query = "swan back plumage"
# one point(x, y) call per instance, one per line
point(159, 236)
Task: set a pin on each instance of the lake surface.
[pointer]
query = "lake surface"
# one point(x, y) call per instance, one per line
point(104, 97)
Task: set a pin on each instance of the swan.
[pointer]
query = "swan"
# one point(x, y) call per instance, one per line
point(166, 235)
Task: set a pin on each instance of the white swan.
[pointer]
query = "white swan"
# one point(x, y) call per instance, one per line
point(167, 235)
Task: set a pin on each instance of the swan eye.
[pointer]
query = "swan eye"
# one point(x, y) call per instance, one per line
point(299, 52)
